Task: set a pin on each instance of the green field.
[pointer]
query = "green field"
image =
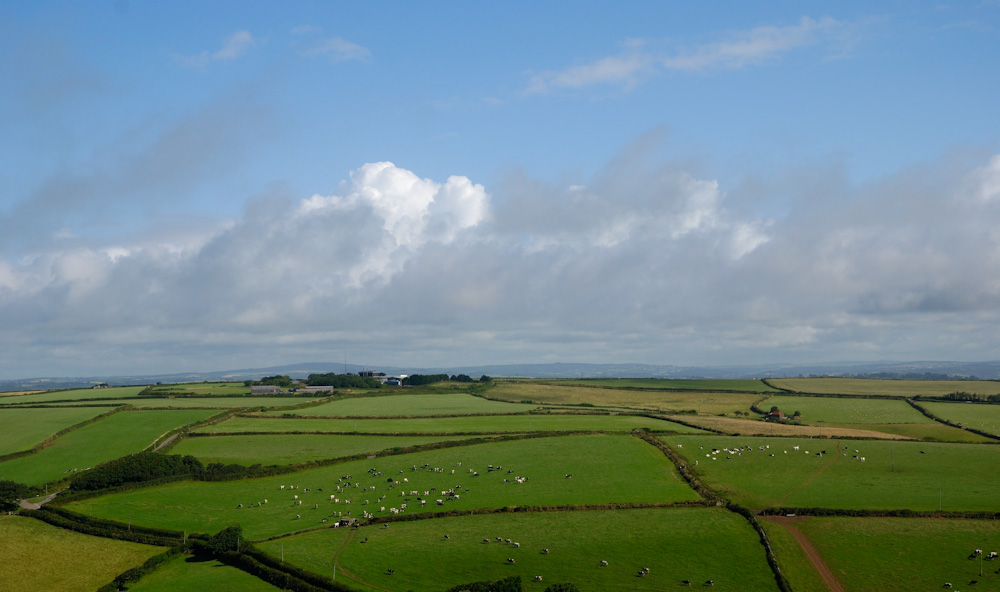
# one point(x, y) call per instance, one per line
point(669, 384)
point(664, 401)
point(72, 395)
point(254, 403)
point(404, 405)
point(960, 472)
point(676, 544)
point(974, 415)
point(845, 412)
point(894, 388)
point(35, 556)
point(603, 468)
point(123, 433)
point(20, 429)
point(795, 565)
point(446, 425)
point(286, 449)
point(202, 388)
point(905, 554)
point(189, 573)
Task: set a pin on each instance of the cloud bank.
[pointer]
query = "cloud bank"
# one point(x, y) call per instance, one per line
point(643, 262)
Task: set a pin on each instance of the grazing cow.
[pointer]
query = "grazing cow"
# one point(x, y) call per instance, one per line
point(391, 571)
point(686, 582)
point(516, 545)
point(538, 578)
point(603, 562)
point(510, 560)
point(709, 583)
point(545, 551)
point(486, 540)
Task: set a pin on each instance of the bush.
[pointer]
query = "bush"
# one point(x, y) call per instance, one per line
point(10, 492)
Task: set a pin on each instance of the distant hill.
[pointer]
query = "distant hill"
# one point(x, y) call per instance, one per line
point(887, 370)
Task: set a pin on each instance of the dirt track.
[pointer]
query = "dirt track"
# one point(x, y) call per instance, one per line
point(788, 523)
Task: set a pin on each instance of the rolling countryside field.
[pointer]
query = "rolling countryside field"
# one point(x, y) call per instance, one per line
point(608, 485)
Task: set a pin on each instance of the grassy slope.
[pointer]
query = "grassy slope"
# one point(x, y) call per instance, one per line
point(186, 573)
point(981, 417)
point(443, 425)
point(606, 469)
point(72, 395)
point(710, 403)
point(752, 386)
point(36, 556)
point(676, 544)
point(120, 434)
point(905, 554)
point(896, 388)
point(290, 449)
point(847, 411)
point(402, 405)
point(20, 429)
point(797, 479)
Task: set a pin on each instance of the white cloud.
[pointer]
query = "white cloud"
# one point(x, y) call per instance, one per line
point(235, 46)
point(640, 60)
point(338, 49)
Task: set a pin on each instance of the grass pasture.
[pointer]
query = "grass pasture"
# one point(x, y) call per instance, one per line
point(603, 468)
point(756, 427)
point(892, 388)
point(202, 389)
point(189, 573)
point(982, 417)
point(904, 553)
point(664, 401)
point(20, 429)
point(847, 412)
point(412, 405)
point(291, 449)
point(117, 435)
point(448, 425)
point(72, 395)
point(37, 556)
point(199, 402)
point(894, 475)
point(669, 384)
point(675, 543)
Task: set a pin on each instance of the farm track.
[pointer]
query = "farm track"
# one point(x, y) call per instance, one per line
point(807, 547)
point(346, 572)
point(811, 477)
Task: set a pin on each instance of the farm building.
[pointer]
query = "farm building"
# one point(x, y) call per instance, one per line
point(316, 389)
point(775, 415)
point(265, 389)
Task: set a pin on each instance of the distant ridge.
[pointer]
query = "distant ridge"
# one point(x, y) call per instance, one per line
point(887, 370)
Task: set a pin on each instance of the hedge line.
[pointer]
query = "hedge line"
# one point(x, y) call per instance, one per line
point(930, 415)
point(283, 575)
point(105, 528)
point(772, 561)
point(47, 441)
point(136, 573)
point(899, 513)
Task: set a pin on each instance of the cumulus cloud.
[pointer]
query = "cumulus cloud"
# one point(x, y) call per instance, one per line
point(337, 49)
point(639, 60)
point(642, 261)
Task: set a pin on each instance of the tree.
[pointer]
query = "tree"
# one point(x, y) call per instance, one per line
point(774, 408)
point(227, 539)
point(10, 492)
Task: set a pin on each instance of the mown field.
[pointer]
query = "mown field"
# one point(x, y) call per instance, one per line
point(447, 425)
point(291, 449)
point(665, 401)
point(676, 544)
point(602, 469)
point(894, 388)
point(405, 405)
point(906, 554)
point(668, 384)
point(119, 434)
point(24, 428)
point(847, 412)
point(893, 476)
point(35, 557)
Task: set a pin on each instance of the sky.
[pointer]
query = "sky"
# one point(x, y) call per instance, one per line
point(202, 186)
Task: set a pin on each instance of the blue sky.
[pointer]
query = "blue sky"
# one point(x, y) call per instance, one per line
point(201, 186)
